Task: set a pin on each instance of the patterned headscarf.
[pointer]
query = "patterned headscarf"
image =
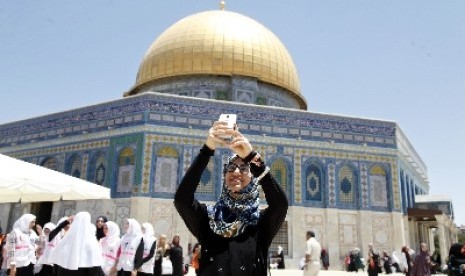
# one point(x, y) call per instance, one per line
point(231, 215)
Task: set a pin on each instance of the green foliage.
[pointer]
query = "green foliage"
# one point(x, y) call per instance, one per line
point(461, 237)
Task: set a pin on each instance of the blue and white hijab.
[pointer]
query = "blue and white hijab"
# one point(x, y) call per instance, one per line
point(231, 215)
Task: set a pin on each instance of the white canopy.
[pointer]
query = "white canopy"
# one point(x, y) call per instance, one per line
point(27, 182)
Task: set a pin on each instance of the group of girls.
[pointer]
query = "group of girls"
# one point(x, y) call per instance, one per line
point(73, 248)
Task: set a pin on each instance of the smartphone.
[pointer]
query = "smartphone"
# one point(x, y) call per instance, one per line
point(231, 120)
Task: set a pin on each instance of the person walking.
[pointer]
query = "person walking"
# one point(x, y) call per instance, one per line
point(407, 260)
point(234, 233)
point(373, 261)
point(422, 262)
point(312, 255)
point(22, 243)
point(387, 262)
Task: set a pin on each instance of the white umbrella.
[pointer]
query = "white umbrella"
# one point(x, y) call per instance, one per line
point(26, 182)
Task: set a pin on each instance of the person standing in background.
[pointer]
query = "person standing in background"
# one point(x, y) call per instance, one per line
point(99, 223)
point(456, 264)
point(162, 251)
point(176, 256)
point(78, 253)
point(280, 255)
point(132, 249)
point(150, 244)
point(3, 253)
point(324, 259)
point(110, 246)
point(48, 247)
point(312, 255)
point(195, 263)
point(22, 243)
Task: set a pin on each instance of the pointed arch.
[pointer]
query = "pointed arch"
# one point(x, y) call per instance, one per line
point(126, 167)
point(347, 183)
point(74, 165)
point(50, 163)
point(313, 182)
point(378, 186)
point(166, 169)
point(279, 171)
point(98, 168)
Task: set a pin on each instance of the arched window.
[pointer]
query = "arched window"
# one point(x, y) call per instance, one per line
point(378, 185)
point(347, 181)
point(126, 165)
point(74, 166)
point(166, 170)
point(279, 172)
point(100, 169)
point(313, 180)
point(207, 179)
point(50, 163)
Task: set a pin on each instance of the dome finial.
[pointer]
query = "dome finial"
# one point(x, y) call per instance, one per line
point(222, 5)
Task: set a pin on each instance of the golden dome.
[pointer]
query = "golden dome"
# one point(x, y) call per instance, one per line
point(219, 43)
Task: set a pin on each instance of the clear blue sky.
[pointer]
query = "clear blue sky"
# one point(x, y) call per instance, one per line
point(395, 60)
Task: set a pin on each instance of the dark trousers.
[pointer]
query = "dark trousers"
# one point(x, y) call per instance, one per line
point(47, 270)
point(124, 273)
point(25, 270)
point(82, 271)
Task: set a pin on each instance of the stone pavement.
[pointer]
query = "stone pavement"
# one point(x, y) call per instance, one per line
point(296, 272)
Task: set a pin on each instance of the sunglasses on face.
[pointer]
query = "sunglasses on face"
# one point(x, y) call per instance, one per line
point(243, 168)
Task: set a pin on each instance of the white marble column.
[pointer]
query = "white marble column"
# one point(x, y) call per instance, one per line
point(443, 247)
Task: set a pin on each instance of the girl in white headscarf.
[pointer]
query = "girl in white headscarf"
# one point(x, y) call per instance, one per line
point(110, 246)
point(148, 260)
point(61, 229)
point(48, 247)
point(79, 252)
point(22, 246)
point(132, 249)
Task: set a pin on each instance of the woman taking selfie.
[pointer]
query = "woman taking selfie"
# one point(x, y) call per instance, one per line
point(235, 235)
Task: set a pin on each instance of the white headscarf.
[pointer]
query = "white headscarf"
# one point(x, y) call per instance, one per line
point(79, 247)
point(23, 223)
point(49, 225)
point(112, 239)
point(133, 234)
point(149, 233)
point(62, 231)
point(44, 258)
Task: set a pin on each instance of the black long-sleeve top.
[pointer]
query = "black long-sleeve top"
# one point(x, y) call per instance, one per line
point(246, 254)
point(57, 230)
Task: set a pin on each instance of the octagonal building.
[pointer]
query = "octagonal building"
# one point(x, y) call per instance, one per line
point(351, 180)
